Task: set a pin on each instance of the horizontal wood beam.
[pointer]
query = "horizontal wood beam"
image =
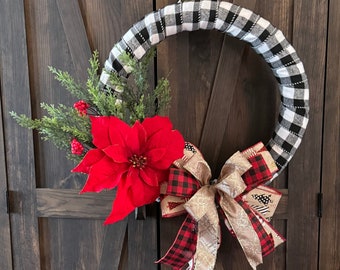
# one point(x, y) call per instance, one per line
point(68, 203)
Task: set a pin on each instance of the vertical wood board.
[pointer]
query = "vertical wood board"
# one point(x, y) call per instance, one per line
point(5, 234)
point(310, 20)
point(18, 141)
point(330, 221)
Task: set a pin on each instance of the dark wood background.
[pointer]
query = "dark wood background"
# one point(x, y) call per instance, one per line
point(224, 97)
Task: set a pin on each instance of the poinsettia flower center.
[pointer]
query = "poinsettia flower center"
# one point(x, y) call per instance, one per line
point(138, 161)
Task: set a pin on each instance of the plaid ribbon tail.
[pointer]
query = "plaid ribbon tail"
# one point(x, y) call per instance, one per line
point(183, 248)
point(266, 240)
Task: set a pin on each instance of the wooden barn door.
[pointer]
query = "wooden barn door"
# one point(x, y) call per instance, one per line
point(223, 99)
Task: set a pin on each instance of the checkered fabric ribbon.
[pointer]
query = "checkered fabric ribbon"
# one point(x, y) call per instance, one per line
point(258, 174)
point(267, 41)
point(181, 183)
point(184, 246)
point(228, 192)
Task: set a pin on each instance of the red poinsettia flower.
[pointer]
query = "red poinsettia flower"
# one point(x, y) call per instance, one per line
point(136, 159)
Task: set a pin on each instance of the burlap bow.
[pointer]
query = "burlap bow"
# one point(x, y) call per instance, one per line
point(199, 237)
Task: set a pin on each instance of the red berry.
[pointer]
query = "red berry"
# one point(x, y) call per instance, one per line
point(81, 106)
point(76, 147)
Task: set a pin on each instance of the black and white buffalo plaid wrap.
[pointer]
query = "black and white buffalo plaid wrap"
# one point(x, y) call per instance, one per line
point(264, 38)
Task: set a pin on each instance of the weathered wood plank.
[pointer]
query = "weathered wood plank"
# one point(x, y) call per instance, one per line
point(5, 234)
point(75, 33)
point(48, 46)
point(241, 102)
point(100, 20)
point(18, 141)
point(68, 203)
point(310, 20)
point(113, 247)
point(173, 61)
point(330, 221)
point(143, 240)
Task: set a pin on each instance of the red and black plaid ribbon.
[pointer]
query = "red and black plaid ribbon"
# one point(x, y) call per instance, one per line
point(181, 183)
point(258, 174)
point(184, 246)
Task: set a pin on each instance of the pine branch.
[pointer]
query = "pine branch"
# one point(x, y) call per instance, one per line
point(60, 126)
point(68, 82)
point(133, 100)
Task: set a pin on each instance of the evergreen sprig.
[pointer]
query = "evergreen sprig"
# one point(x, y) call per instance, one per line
point(129, 100)
point(138, 97)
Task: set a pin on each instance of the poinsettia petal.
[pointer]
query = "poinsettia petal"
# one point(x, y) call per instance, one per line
point(149, 176)
point(156, 123)
point(122, 205)
point(175, 145)
point(90, 158)
point(131, 177)
point(136, 138)
point(118, 130)
point(172, 141)
point(104, 175)
point(142, 194)
point(100, 131)
point(131, 196)
point(117, 152)
point(154, 155)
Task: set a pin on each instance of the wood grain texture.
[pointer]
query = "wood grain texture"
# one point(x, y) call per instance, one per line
point(113, 247)
point(75, 32)
point(310, 20)
point(102, 20)
point(5, 233)
point(330, 221)
point(68, 203)
point(48, 46)
point(143, 240)
point(18, 142)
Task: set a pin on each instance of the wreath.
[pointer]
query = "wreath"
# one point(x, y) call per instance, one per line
point(121, 141)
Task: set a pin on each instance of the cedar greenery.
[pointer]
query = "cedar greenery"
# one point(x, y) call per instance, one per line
point(135, 100)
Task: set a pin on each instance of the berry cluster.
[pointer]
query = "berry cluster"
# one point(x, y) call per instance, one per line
point(81, 106)
point(76, 147)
